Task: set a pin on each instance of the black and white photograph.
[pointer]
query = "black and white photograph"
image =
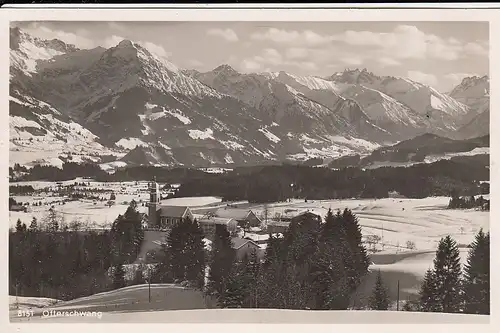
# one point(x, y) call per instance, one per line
point(251, 171)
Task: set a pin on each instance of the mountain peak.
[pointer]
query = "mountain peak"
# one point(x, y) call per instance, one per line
point(125, 43)
point(225, 68)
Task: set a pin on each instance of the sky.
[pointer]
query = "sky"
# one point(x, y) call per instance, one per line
point(440, 54)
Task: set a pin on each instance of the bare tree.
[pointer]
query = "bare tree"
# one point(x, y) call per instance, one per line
point(410, 245)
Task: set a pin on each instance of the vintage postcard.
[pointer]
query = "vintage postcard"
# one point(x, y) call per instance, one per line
point(249, 166)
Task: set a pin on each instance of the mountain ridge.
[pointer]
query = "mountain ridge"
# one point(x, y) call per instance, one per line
point(140, 106)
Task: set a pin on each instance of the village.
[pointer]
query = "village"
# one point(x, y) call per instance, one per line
point(76, 200)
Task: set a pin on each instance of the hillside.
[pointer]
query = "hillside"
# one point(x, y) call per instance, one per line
point(424, 148)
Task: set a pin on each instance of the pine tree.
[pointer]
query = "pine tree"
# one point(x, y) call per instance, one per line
point(476, 282)
point(174, 259)
point(328, 278)
point(118, 277)
point(222, 260)
point(19, 226)
point(428, 301)
point(195, 254)
point(447, 275)
point(52, 220)
point(233, 293)
point(354, 238)
point(380, 297)
point(252, 273)
point(34, 225)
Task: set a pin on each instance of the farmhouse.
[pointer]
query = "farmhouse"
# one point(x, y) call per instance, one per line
point(164, 217)
point(18, 208)
point(244, 217)
point(208, 225)
point(244, 247)
point(274, 227)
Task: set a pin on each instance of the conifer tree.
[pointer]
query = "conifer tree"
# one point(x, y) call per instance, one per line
point(222, 260)
point(380, 297)
point(234, 289)
point(174, 259)
point(252, 272)
point(476, 281)
point(19, 226)
point(34, 224)
point(447, 275)
point(354, 238)
point(428, 301)
point(195, 254)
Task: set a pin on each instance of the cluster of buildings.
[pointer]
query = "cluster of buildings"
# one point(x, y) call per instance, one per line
point(161, 218)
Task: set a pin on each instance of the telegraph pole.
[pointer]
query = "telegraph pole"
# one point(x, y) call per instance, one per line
point(149, 283)
point(397, 304)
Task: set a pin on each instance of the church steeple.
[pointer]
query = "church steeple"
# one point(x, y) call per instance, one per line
point(154, 203)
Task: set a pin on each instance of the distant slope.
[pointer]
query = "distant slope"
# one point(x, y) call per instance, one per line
point(478, 126)
point(425, 148)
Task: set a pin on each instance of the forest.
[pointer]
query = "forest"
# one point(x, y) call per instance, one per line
point(279, 182)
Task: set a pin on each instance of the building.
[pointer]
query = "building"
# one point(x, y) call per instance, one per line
point(306, 215)
point(209, 224)
point(164, 217)
point(275, 227)
point(18, 208)
point(244, 247)
point(244, 217)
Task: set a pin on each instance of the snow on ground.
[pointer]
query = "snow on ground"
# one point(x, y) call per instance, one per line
point(24, 303)
point(191, 201)
point(113, 165)
point(269, 316)
point(423, 221)
point(397, 221)
point(201, 135)
point(447, 156)
point(179, 115)
point(270, 136)
point(232, 145)
point(130, 143)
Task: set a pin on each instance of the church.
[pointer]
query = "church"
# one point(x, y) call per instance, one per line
point(164, 217)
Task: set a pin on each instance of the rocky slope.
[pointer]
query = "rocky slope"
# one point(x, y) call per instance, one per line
point(126, 105)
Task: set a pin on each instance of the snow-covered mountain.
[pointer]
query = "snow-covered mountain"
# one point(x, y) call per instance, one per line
point(474, 91)
point(127, 105)
point(442, 113)
point(143, 109)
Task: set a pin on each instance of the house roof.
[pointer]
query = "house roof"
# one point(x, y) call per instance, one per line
point(239, 242)
point(237, 214)
point(216, 220)
point(278, 223)
point(173, 211)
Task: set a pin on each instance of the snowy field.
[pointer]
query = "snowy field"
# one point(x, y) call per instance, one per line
point(96, 214)
point(23, 303)
point(397, 223)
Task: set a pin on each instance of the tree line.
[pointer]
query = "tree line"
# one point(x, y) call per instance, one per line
point(271, 183)
point(278, 183)
point(469, 202)
point(47, 259)
point(448, 288)
point(313, 266)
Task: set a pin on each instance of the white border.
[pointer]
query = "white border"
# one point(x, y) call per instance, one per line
point(285, 14)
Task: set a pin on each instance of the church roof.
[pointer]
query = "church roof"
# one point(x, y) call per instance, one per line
point(173, 211)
